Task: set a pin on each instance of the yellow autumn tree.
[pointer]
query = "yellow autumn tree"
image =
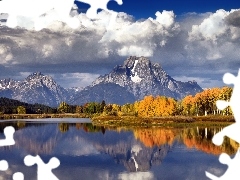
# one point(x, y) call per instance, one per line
point(158, 106)
point(188, 105)
point(145, 106)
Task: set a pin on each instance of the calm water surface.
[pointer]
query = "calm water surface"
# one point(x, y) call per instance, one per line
point(88, 152)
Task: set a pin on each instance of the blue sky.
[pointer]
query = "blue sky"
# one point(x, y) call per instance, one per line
point(192, 40)
point(144, 9)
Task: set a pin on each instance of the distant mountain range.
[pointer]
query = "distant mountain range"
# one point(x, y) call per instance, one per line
point(36, 88)
point(133, 80)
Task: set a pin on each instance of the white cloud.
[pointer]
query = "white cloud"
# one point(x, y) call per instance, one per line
point(92, 40)
point(215, 27)
point(140, 37)
point(211, 28)
point(5, 54)
point(166, 18)
point(79, 147)
point(135, 51)
point(75, 79)
point(195, 40)
point(136, 175)
point(214, 38)
point(202, 82)
point(36, 13)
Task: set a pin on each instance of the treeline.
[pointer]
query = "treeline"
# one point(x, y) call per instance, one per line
point(87, 108)
point(203, 103)
point(10, 106)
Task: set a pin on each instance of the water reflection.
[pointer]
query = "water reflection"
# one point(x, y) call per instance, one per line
point(92, 152)
point(201, 139)
point(155, 136)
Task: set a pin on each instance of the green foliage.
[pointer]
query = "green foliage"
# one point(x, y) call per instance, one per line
point(89, 127)
point(21, 110)
point(9, 106)
point(64, 108)
point(203, 103)
point(63, 127)
point(92, 108)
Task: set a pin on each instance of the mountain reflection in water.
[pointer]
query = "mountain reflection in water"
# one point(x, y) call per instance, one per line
point(90, 152)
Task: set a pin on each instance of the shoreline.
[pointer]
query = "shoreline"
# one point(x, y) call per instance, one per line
point(171, 121)
point(126, 121)
point(41, 116)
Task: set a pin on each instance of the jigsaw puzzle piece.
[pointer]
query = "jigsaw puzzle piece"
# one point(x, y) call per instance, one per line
point(8, 132)
point(232, 172)
point(3, 165)
point(95, 5)
point(18, 176)
point(44, 170)
point(221, 104)
point(229, 78)
point(231, 131)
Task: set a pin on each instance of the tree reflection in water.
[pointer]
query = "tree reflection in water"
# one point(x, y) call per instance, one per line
point(84, 145)
point(198, 138)
point(201, 139)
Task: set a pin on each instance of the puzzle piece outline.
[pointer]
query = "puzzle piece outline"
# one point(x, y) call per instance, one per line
point(60, 10)
point(44, 171)
point(231, 131)
point(8, 133)
point(95, 5)
point(233, 167)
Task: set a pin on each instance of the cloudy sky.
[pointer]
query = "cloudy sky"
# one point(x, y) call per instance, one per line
point(192, 40)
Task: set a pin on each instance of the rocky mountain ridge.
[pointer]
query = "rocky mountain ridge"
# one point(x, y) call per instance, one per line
point(142, 77)
point(36, 88)
point(133, 80)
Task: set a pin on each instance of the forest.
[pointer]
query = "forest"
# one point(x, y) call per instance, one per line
point(202, 104)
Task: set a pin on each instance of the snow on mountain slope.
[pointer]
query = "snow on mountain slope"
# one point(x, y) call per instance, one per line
point(142, 77)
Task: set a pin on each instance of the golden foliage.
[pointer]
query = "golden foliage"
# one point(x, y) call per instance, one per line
point(158, 106)
point(202, 141)
point(155, 137)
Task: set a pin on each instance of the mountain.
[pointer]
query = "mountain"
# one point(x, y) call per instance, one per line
point(141, 77)
point(6, 87)
point(36, 88)
point(110, 92)
point(133, 80)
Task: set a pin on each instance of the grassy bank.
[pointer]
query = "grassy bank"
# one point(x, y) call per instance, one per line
point(174, 121)
point(40, 116)
point(132, 121)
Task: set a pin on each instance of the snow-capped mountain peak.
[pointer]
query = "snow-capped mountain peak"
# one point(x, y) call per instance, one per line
point(134, 77)
point(142, 77)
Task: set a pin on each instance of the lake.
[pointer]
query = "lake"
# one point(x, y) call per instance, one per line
point(89, 152)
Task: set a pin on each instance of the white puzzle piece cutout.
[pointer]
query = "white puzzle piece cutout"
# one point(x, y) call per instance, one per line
point(43, 12)
point(18, 176)
point(97, 4)
point(232, 173)
point(44, 171)
point(3, 165)
point(8, 132)
point(232, 131)
point(101, 4)
point(35, 11)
